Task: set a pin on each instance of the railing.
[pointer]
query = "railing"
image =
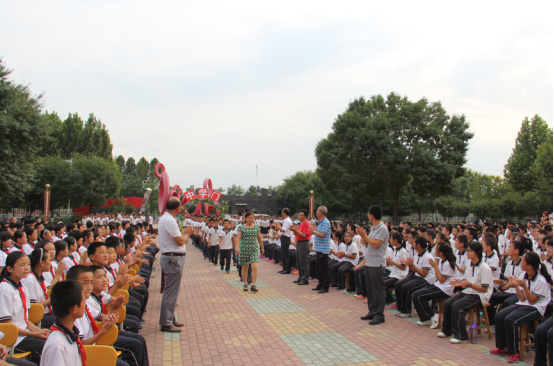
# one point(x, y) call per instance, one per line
point(61, 214)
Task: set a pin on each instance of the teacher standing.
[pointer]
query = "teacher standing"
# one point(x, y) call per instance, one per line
point(173, 249)
point(249, 239)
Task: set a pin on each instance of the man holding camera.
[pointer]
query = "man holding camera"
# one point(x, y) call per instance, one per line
point(285, 240)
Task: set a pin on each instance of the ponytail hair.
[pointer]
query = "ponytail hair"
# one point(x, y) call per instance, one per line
point(446, 249)
point(11, 259)
point(399, 238)
point(491, 242)
point(37, 256)
point(338, 235)
point(422, 242)
point(532, 259)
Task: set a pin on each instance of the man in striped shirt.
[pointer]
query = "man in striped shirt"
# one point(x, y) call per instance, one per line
point(322, 246)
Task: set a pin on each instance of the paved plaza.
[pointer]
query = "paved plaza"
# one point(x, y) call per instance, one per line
point(286, 324)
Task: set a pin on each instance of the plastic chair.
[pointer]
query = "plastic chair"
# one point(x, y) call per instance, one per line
point(485, 320)
point(125, 287)
point(36, 313)
point(48, 292)
point(122, 311)
point(100, 356)
point(524, 338)
point(109, 338)
point(131, 272)
point(11, 331)
point(124, 293)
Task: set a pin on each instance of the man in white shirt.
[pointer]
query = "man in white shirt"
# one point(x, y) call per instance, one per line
point(150, 224)
point(173, 248)
point(285, 240)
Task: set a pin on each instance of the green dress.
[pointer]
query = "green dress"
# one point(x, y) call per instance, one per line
point(249, 246)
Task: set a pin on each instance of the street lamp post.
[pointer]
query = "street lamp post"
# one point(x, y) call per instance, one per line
point(46, 202)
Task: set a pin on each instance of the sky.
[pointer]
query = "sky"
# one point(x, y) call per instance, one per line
point(214, 88)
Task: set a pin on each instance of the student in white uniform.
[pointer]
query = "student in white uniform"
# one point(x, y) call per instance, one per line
point(477, 291)
point(40, 263)
point(445, 271)
point(226, 236)
point(15, 303)
point(534, 294)
point(399, 270)
point(422, 274)
point(461, 245)
point(64, 346)
point(5, 245)
point(491, 256)
point(32, 236)
point(350, 260)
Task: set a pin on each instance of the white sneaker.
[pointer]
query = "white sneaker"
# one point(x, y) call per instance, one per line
point(435, 321)
point(402, 315)
point(441, 335)
point(398, 313)
point(427, 322)
point(455, 341)
point(493, 329)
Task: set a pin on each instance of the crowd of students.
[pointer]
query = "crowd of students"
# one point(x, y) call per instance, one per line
point(504, 264)
point(81, 273)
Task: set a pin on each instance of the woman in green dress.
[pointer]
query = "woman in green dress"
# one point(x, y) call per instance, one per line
point(250, 239)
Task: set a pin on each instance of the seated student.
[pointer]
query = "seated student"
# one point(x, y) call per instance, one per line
point(543, 343)
point(226, 236)
point(15, 303)
point(460, 244)
point(64, 347)
point(5, 245)
point(533, 291)
point(547, 260)
point(77, 235)
point(399, 270)
point(430, 236)
point(53, 274)
point(410, 244)
point(71, 260)
point(336, 253)
point(139, 283)
point(508, 295)
point(59, 231)
point(19, 238)
point(133, 347)
point(422, 274)
point(492, 258)
point(100, 299)
point(350, 259)
point(445, 271)
point(32, 237)
point(335, 245)
point(477, 285)
point(40, 263)
point(88, 239)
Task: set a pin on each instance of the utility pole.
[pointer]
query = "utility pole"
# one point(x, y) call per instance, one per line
point(256, 176)
point(70, 171)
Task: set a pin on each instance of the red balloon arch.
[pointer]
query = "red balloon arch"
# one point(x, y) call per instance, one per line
point(206, 192)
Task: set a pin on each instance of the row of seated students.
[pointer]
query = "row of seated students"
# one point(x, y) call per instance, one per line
point(98, 269)
point(423, 265)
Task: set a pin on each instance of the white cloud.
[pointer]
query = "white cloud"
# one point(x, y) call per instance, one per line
point(211, 89)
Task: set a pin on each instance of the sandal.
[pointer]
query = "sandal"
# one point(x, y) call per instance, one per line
point(245, 287)
point(254, 288)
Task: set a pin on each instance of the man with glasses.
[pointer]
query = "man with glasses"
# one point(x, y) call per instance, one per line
point(302, 247)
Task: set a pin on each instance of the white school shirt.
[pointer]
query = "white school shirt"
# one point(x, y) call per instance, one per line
point(96, 304)
point(494, 262)
point(512, 270)
point(335, 247)
point(448, 272)
point(61, 349)
point(422, 262)
point(389, 254)
point(538, 286)
point(461, 261)
point(214, 236)
point(341, 248)
point(481, 275)
point(397, 256)
point(352, 249)
point(548, 263)
point(501, 244)
point(69, 262)
point(227, 241)
point(3, 256)
point(11, 305)
point(150, 220)
point(27, 248)
point(83, 249)
point(35, 290)
point(83, 324)
point(411, 251)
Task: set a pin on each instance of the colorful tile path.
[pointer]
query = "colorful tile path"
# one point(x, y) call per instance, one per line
point(286, 324)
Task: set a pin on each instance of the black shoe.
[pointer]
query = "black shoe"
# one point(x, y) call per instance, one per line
point(303, 283)
point(285, 272)
point(322, 291)
point(341, 288)
point(297, 281)
point(280, 271)
point(376, 321)
point(368, 316)
point(316, 289)
point(333, 285)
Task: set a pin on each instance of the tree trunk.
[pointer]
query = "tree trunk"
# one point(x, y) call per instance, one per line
point(395, 195)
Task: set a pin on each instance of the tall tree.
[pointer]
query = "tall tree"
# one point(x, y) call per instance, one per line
point(544, 173)
point(70, 137)
point(520, 169)
point(120, 161)
point(143, 168)
point(93, 180)
point(377, 146)
point(50, 144)
point(95, 139)
point(235, 190)
point(22, 126)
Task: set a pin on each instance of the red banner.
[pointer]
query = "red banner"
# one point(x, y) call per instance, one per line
point(202, 192)
point(215, 196)
point(190, 195)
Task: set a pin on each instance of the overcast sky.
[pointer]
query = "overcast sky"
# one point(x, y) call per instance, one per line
point(213, 88)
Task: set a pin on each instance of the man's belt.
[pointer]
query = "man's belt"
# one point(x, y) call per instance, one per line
point(175, 254)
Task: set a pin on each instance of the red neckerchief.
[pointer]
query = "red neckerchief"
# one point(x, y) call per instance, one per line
point(92, 321)
point(43, 286)
point(23, 298)
point(74, 260)
point(31, 244)
point(7, 250)
point(52, 269)
point(81, 348)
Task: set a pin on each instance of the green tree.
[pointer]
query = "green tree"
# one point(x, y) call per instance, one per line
point(251, 191)
point(94, 180)
point(235, 190)
point(120, 160)
point(446, 206)
point(94, 139)
point(376, 146)
point(520, 171)
point(53, 170)
point(50, 144)
point(543, 172)
point(70, 136)
point(143, 168)
point(22, 126)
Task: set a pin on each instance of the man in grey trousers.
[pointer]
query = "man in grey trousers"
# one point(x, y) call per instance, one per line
point(302, 247)
point(173, 249)
point(377, 242)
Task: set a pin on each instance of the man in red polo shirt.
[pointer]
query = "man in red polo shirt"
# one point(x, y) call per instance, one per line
point(303, 235)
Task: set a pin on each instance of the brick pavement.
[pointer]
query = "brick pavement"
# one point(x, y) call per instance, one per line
point(286, 324)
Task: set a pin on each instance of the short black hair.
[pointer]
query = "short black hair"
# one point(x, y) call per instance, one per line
point(112, 242)
point(95, 268)
point(477, 248)
point(74, 272)
point(65, 295)
point(376, 211)
point(93, 247)
point(60, 245)
point(58, 227)
point(75, 234)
